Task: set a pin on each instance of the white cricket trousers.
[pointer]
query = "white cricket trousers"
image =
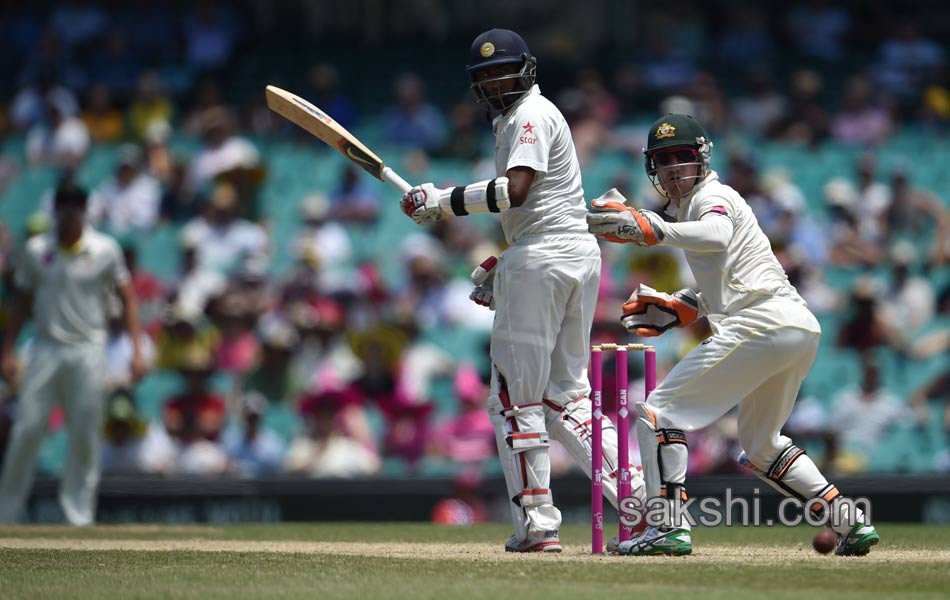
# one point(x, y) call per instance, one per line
point(72, 376)
point(545, 293)
point(757, 359)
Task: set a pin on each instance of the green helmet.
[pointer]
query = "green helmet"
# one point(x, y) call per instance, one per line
point(677, 131)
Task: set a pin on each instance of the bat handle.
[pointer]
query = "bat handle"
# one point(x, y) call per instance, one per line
point(393, 179)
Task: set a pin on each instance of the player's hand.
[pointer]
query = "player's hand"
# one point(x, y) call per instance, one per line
point(649, 313)
point(611, 219)
point(484, 277)
point(421, 204)
point(8, 368)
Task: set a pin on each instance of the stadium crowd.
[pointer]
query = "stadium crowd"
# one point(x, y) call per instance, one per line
point(330, 365)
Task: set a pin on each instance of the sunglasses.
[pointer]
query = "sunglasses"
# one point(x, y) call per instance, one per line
point(666, 158)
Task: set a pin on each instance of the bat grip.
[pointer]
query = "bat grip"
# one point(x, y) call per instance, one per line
point(393, 179)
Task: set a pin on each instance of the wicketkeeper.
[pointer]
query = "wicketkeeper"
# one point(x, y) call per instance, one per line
point(763, 344)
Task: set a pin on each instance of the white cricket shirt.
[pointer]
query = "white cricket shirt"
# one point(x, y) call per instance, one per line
point(747, 270)
point(534, 134)
point(70, 288)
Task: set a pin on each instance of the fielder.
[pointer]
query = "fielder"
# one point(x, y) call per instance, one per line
point(64, 279)
point(764, 339)
point(544, 287)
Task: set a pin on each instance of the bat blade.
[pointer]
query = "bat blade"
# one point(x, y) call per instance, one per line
point(321, 125)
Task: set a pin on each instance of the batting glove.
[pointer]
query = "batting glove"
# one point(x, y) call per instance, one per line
point(421, 204)
point(483, 277)
point(611, 219)
point(649, 313)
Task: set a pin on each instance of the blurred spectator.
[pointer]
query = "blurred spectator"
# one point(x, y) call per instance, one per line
point(761, 105)
point(407, 416)
point(207, 99)
point(323, 243)
point(935, 103)
point(61, 139)
point(194, 419)
point(911, 299)
point(184, 333)
point(424, 296)
point(466, 136)
point(211, 31)
point(936, 391)
point(194, 283)
point(820, 29)
point(78, 22)
point(234, 317)
point(327, 449)
point(196, 413)
point(912, 211)
point(324, 80)
point(223, 154)
point(857, 234)
point(745, 33)
point(149, 107)
point(907, 60)
point(412, 121)
point(806, 121)
point(113, 64)
point(863, 417)
point(131, 199)
point(665, 68)
point(354, 201)
point(272, 377)
point(105, 122)
point(708, 100)
point(467, 437)
point(150, 43)
point(864, 328)
point(810, 282)
point(132, 445)
point(325, 358)
point(254, 449)
point(29, 106)
point(224, 241)
point(464, 507)
point(862, 121)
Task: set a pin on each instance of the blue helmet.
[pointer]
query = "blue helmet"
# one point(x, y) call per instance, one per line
point(501, 47)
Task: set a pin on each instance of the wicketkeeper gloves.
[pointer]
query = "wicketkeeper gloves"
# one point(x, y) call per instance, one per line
point(649, 313)
point(611, 219)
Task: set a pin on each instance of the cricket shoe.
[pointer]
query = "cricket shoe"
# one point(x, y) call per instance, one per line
point(653, 542)
point(544, 541)
point(614, 542)
point(858, 541)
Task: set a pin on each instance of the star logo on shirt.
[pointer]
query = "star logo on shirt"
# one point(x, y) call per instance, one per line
point(529, 128)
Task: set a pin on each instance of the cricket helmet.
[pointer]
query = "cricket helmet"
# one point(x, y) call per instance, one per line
point(500, 47)
point(669, 135)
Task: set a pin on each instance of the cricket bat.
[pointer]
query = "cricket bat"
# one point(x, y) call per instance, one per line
point(304, 114)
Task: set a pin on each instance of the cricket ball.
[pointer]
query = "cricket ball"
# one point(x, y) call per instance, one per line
point(824, 541)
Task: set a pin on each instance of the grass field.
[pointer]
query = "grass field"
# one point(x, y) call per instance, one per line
point(410, 561)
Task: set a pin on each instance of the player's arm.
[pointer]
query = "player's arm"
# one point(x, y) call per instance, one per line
point(130, 303)
point(425, 204)
point(519, 182)
point(611, 219)
point(20, 309)
point(712, 233)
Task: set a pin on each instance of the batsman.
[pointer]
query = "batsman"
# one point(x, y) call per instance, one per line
point(543, 288)
point(763, 344)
